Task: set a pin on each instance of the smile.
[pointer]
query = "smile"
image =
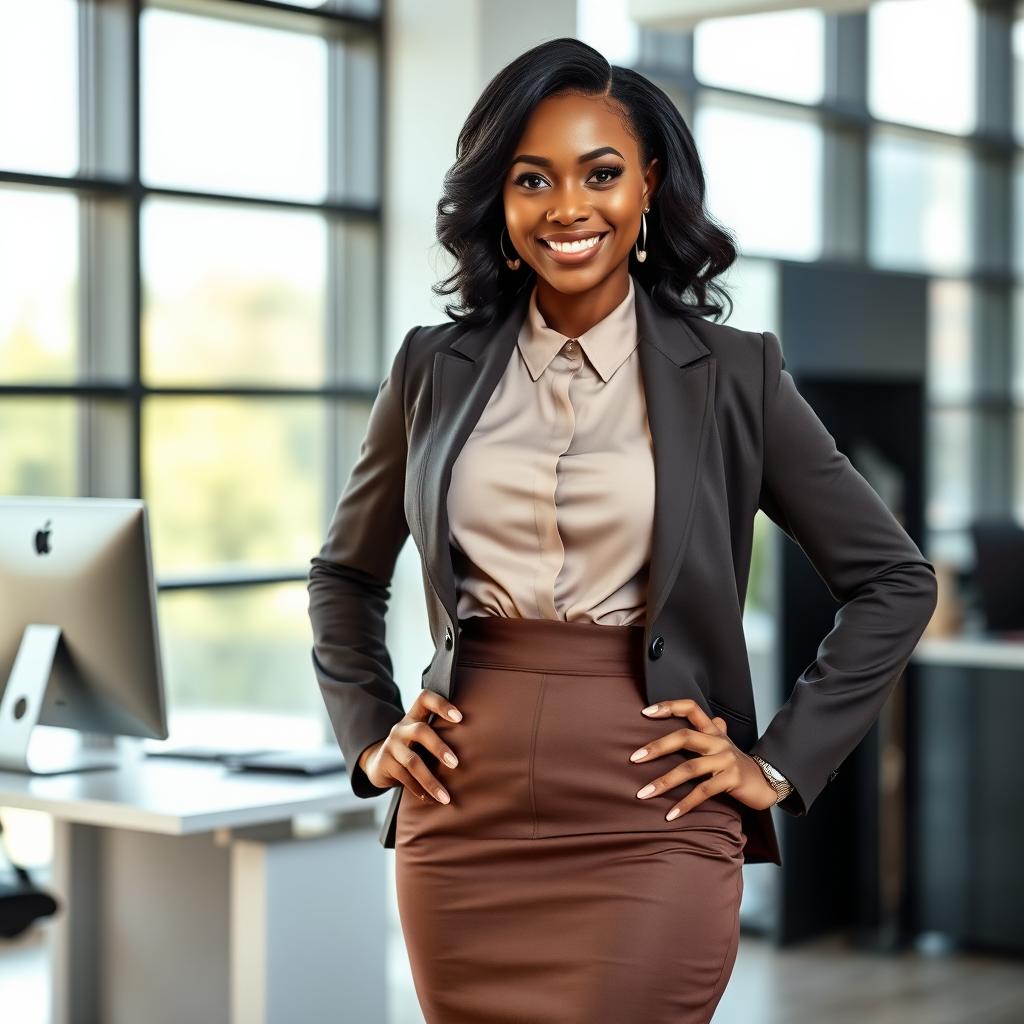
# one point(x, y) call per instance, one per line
point(574, 252)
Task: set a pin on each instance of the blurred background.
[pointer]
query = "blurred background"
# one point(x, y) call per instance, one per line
point(216, 225)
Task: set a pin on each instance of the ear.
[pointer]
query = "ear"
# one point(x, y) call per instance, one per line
point(652, 179)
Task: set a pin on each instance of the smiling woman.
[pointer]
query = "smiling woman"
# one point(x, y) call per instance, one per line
point(531, 886)
point(579, 458)
point(559, 165)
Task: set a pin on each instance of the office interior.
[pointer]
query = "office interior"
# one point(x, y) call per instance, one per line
point(216, 225)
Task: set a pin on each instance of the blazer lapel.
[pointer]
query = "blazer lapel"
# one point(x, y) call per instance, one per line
point(679, 385)
point(679, 389)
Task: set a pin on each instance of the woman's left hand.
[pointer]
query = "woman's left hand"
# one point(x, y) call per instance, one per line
point(731, 770)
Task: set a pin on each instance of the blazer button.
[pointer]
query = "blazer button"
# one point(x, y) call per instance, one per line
point(448, 641)
point(657, 647)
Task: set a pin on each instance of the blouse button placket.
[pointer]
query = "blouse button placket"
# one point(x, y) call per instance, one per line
point(552, 559)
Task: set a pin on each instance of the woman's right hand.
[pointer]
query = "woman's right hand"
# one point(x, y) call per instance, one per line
point(393, 761)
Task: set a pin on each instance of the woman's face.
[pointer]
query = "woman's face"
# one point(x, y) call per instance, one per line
point(576, 173)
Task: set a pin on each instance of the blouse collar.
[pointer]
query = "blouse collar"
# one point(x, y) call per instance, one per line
point(607, 344)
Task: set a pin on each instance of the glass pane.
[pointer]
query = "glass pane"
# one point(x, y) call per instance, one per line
point(1018, 214)
point(921, 63)
point(778, 54)
point(355, 338)
point(233, 483)
point(1018, 77)
point(238, 669)
point(233, 108)
point(950, 312)
point(232, 294)
point(949, 468)
point(356, 89)
point(777, 211)
point(37, 457)
point(38, 286)
point(920, 216)
point(39, 86)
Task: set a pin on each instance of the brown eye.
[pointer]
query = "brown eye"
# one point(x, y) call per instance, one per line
point(523, 178)
point(613, 171)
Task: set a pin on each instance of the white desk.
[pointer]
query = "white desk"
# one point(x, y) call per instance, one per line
point(971, 651)
point(191, 894)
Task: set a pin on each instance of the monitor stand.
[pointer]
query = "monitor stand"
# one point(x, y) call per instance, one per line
point(20, 707)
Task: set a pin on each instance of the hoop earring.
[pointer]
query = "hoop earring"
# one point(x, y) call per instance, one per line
point(641, 254)
point(512, 264)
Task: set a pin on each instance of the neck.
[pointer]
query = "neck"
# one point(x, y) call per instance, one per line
point(574, 313)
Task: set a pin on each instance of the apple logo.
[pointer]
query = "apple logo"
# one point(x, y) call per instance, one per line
point(43, 539)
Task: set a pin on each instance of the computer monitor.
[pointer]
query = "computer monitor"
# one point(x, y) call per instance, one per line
point(79, 639)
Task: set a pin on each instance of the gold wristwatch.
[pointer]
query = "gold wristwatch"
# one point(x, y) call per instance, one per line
point(782, 786)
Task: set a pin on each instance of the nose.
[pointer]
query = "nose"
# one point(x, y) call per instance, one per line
point(571, 205)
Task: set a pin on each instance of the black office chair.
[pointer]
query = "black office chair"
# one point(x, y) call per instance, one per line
point(21, 902)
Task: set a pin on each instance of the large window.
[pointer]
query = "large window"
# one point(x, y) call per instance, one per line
point(190, 309)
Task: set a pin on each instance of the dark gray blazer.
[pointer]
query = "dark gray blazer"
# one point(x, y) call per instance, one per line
point(731, 435)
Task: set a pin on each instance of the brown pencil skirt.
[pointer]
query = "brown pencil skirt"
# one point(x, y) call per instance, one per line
point(546, 892)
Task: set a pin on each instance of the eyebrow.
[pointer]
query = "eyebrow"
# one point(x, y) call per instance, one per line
point(541, 161)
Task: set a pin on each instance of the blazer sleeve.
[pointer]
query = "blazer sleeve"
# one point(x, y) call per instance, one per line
point(868, 562)
point(350, 578)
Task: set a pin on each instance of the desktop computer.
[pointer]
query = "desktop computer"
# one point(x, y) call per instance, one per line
point(79, 638)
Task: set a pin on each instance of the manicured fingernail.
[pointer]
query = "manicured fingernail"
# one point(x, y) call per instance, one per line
point(651, 710)
point(674, 813)
point(637, 754)
point(450, 759)
point(455, 716)
point(647, 790)
point(443, 796)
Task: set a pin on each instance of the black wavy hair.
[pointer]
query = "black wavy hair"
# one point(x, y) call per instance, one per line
point(686, 249)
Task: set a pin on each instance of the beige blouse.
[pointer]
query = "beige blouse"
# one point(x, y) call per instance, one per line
point(551, 504)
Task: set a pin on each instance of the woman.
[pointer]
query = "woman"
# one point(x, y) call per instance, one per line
point(579, 456)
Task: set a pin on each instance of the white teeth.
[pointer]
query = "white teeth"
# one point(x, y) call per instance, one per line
point(586, 243)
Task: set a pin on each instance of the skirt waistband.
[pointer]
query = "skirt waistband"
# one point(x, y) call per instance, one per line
point(551, 646)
